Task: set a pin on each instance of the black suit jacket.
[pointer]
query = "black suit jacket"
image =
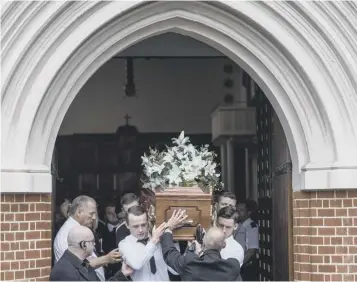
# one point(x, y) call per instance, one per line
point(121, 232)
point(71, 268)
point(207, 267)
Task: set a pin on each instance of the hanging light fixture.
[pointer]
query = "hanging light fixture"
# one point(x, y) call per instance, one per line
point(129, 89)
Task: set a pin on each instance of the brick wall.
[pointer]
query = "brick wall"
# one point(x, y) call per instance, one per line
point(25, 237)
point(325, 235)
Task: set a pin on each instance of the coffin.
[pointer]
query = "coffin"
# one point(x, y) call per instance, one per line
point(196, 203)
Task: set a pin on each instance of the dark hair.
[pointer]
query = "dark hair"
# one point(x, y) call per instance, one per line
point(136, 211)
point(228, 213)
point(128, 198)
point(226, 195)
point(109, 203)
point(250, 205)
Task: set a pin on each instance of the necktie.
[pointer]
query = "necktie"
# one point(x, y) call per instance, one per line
point(152, 260)
point(92, 276)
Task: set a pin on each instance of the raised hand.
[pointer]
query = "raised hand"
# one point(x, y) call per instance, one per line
point(157, 232)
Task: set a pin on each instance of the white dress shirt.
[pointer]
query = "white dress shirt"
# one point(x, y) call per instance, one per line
point(252, 234)
point(138, 255)
point(233, 250)
point(61, 245)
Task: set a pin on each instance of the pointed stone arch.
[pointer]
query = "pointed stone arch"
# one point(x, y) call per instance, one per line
point(302, 55)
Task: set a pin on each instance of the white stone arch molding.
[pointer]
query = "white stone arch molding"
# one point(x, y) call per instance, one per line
point(302, 55)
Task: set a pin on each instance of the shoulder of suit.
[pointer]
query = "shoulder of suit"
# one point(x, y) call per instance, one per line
point(233, 261)
point(120, 226)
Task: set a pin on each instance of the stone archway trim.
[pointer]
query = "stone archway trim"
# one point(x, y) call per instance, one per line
point(291, 50)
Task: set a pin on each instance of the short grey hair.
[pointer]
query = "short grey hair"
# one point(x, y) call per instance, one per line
point(79, 201)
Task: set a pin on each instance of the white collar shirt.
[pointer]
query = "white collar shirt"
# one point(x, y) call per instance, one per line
point(233, 250)
point(252, 234)
point(60, 244)
point(138, 255)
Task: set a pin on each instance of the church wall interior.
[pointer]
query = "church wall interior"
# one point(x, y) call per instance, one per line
point(176, 91)
point(172, 94)
point(178, 82)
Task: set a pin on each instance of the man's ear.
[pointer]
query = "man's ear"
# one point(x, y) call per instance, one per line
point(235, 226)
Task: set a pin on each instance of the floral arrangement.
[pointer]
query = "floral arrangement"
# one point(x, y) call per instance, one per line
point(181, 165)
point(148, 202)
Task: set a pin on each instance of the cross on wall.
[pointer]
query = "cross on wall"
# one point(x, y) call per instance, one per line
point(127, 118)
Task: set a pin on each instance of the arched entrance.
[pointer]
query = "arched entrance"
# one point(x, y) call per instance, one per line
point(299, 54)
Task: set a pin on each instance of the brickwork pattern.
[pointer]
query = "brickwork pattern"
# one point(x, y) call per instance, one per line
point(324, 229)
point(25, 237)
point(325, 235)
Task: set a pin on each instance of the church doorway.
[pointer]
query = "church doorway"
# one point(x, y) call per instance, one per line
point(300, 56)
point(145, 96)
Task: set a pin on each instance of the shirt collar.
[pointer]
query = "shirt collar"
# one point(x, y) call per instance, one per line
point(230, 238)
point(134, 239)
point(111, 227)
point(72, 221)
point(247, 222)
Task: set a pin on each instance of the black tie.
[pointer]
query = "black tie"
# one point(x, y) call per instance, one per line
point(152, 260)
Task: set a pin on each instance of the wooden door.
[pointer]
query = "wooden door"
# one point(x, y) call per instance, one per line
point(264, 170)
point(282, 204)
point(274, 195)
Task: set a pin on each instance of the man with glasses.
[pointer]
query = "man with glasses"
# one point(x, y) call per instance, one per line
point(74, 266)
point(83, 211)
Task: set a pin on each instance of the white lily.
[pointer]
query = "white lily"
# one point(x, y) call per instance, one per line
point(181, 163)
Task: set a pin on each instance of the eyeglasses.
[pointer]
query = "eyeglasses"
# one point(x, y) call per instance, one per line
point(82, 242)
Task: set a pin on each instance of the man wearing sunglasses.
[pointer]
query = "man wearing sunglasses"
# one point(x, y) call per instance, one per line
point(74, 266)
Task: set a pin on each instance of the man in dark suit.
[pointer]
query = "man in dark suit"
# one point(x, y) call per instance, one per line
point(207, 265)
point(74, 266)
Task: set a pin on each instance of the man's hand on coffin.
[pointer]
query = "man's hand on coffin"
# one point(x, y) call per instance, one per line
point(177, 219)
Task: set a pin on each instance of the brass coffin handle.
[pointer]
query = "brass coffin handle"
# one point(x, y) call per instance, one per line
point(188, 223)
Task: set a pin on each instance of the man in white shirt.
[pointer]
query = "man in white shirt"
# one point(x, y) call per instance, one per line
point(226, 199)
point(82, 211)
point(227, 221)
point(249, 269)
point(140, 252)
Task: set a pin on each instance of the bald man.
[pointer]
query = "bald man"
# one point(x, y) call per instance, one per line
point(73, 265)
point(208, 266)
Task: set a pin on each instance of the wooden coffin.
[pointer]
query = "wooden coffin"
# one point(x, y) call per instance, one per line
point(196, 203)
